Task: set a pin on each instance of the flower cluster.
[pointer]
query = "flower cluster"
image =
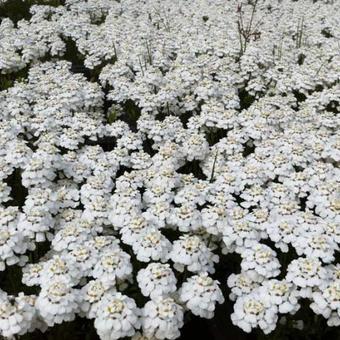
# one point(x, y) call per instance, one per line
point(176, 135)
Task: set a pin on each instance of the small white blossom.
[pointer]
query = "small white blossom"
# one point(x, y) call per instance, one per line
point(156, 280)
point(162, 318)
point(190, 252)
point(117, 317)
point(57, 302)
point(200, 293)
point(306, 274)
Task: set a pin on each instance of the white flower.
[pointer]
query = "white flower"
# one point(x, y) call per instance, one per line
point(243, 283)
point(38, 172)
point(17, 315)
point(185, 218)
point(162, 318)
point(214, 219)
point(333, 271)
point(57, 302)
point(97, 209)
point(133, 230)
point(69, 236)
point(239, 234)
point(190, 252)
point(156, 280)
point(98, 185)
point(158, 213)
point(315, 244)
point(200, 293)
point(102, 243)
point(281, 293)
point(117, 317)
point(5, 191)
point(82, 257)
point(252, 311)
point(151, 245)
point(91, 295)
point(283, 231)
point(67, 195)
point(13, 244)
point(59, 267)
point(261, 259)
point(327, 303)
point(195, 147)
point(112, 265)
point(36, 223)
point(306, 274)
point(31, 274)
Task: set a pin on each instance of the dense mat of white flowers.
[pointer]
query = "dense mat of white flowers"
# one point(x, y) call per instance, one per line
point(269, 185)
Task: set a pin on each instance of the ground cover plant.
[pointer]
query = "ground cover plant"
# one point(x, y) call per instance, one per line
point(167, 162)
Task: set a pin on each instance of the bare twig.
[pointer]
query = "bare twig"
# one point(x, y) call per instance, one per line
point(248, 31)
point(213, 168)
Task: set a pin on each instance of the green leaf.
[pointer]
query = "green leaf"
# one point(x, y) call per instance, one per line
point(112, 116)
